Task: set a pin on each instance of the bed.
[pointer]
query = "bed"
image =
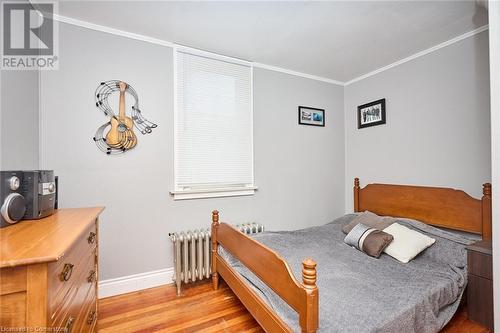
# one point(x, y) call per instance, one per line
point(265, 280)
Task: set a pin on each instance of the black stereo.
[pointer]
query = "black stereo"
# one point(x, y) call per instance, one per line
point(26, 195)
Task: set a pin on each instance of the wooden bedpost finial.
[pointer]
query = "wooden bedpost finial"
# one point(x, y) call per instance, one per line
point(215, 217)
point(356, 194)
point(309, 273)
point(487, 189)
point(487, 212)
point(309, 318)
point(215, 227)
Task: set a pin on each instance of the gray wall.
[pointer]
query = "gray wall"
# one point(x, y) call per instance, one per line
point(494, 23)
point(438, 126)
point(19, 120)
point(299, 169)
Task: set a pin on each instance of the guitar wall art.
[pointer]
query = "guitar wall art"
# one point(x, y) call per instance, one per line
point(117, 135)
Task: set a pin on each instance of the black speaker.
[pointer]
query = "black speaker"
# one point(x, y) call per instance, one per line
point(26, 195)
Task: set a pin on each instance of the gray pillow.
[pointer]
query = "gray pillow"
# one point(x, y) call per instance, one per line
point(371, 220)
point(368, 240)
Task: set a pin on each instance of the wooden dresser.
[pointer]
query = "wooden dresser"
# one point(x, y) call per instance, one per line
point(480, 286)
point(48, 273)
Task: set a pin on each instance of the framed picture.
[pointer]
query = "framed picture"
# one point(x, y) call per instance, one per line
point(371, 114)
point(311, 116)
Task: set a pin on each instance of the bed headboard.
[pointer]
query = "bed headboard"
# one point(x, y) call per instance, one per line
point(437, 206)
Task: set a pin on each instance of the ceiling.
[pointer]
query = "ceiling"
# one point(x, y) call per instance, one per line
point(339, 40)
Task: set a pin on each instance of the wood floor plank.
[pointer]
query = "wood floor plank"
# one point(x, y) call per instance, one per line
point(241, 320)
point(194, 303)
point(200, 309)
point(177, 317)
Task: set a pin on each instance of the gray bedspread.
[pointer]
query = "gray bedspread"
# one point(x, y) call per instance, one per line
point(358, 293)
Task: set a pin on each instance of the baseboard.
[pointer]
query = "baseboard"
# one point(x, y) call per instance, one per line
point(131, 283)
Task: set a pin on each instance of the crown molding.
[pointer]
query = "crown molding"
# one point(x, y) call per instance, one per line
point(213, 55)
point(304, 75)
point(152, 40)
point(113, 31)
point(419, 54)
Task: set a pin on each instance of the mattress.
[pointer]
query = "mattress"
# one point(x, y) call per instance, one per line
point(358, 293)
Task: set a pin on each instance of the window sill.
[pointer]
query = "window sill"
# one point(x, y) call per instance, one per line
point(213, 193)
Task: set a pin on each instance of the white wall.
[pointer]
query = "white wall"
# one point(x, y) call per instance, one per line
point(19, 120)
point(494, 22)
point(299, 169)
point(438, 126)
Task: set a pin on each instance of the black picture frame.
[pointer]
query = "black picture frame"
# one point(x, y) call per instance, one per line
point(375, 105)
point(316, 116)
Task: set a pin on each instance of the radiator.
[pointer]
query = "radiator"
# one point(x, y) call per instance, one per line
point(192, 253)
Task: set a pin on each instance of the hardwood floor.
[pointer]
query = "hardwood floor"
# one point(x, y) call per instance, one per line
point(199, 309)
point(461, 324)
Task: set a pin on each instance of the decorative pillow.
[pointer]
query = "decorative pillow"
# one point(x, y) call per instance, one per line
point(407, 243)
point(371, 220)
point(368, 240)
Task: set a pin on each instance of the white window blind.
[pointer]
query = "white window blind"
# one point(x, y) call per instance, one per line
point(213, 125)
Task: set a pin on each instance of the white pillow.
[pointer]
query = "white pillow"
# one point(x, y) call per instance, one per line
point(407, 243)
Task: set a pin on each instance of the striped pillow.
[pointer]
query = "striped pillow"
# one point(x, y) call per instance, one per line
point(369, 240)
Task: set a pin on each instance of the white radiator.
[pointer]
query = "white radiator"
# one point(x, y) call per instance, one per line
point(192, 253)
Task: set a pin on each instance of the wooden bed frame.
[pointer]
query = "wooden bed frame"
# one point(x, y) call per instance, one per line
point(441, 207)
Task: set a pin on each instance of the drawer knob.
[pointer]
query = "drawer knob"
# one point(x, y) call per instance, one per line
point(91, 317)
point(66, 272)
point(69, 324)
point(91, 276)
point(91, 238)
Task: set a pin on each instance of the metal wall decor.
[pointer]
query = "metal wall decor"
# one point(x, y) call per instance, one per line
point(117, 135)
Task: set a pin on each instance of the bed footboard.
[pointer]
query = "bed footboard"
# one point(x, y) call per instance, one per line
point(273, 270)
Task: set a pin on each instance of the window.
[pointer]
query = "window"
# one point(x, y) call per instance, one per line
point(213, 126)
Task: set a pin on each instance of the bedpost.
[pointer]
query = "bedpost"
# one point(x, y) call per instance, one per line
point(215, 225)
point(356, 194)
point(486, 208)
point(309, 318)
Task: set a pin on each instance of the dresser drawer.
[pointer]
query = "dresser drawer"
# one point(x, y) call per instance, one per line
point(66, 319)
point(480, 300)
point(480, 264)
point(85, 278)
point(69, 270)
point(71, 312)
point(87, 318)
point(90, 319)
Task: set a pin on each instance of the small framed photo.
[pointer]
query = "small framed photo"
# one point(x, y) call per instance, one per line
point(311, 116)
point(371, 114)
